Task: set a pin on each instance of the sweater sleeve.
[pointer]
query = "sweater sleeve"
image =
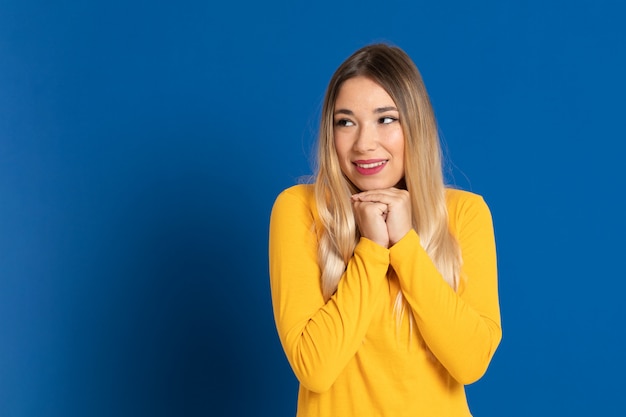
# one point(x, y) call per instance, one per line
point(319, 337)
point(462, 329)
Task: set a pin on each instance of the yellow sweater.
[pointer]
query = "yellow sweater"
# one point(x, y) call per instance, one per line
point(349, 354)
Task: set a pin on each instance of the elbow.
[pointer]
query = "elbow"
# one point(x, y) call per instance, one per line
point(316, 383)
point(315, 376)
point(314, 373)
point(316, 365)
point(467, 375)
point(471, 369)
point(314, 368)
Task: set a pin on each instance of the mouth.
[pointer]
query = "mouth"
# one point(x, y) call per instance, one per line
point(370, 167)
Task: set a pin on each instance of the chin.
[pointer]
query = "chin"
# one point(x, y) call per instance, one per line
point(376, 185)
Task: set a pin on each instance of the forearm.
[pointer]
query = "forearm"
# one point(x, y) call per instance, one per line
point(325, 337)
point(319, 336)
point(463, 336)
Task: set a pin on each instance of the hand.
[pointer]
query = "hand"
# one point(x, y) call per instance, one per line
point(391, 206)
point(370, 217)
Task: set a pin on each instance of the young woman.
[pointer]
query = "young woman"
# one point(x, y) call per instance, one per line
point(383, 280)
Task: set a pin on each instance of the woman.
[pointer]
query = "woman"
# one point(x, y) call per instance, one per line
point(384, 282)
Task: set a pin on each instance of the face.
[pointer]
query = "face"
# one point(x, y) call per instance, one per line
point(368, 135)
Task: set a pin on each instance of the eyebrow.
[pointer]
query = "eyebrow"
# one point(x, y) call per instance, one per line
point(385, 109)
point(376, 111)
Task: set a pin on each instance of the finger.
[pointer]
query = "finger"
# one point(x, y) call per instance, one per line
point(387, 196)
point(370, 207)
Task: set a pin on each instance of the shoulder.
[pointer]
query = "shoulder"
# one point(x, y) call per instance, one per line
point(455, 196)
point(294, 207)
point(464, 205)
point(296, 199)
point(295, 193)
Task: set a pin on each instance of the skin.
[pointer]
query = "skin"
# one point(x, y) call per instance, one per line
point(367, 128)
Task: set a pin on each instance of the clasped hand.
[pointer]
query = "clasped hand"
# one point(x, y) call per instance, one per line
point(383, 216)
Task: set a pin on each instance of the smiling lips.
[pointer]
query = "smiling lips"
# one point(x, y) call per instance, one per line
point(370, 166)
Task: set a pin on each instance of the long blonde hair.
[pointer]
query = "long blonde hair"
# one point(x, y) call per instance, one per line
point(393, 70)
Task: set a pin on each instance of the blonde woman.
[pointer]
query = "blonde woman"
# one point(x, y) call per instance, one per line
point(383, 280)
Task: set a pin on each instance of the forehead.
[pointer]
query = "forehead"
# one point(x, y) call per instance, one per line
point(362, 92)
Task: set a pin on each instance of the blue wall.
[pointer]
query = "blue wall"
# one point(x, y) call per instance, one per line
point(142, 145)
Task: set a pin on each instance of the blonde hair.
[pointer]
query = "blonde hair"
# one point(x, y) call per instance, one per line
point(394, 71)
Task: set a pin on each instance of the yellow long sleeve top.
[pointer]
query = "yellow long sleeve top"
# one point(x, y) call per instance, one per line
point(350, 354)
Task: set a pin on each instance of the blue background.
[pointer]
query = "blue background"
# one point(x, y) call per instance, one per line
point(142, 145)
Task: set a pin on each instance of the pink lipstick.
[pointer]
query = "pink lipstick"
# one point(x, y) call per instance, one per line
point(370, 166)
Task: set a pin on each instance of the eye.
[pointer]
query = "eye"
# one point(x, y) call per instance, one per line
point(344, 123)
point(387, 119)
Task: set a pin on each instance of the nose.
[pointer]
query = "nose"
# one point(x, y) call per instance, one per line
point(366, 139)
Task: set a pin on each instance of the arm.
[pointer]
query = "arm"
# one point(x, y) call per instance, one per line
point(319, 337)
point(462, 329)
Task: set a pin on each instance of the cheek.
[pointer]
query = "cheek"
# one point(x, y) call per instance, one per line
point(340, 148)
point(396, 143)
